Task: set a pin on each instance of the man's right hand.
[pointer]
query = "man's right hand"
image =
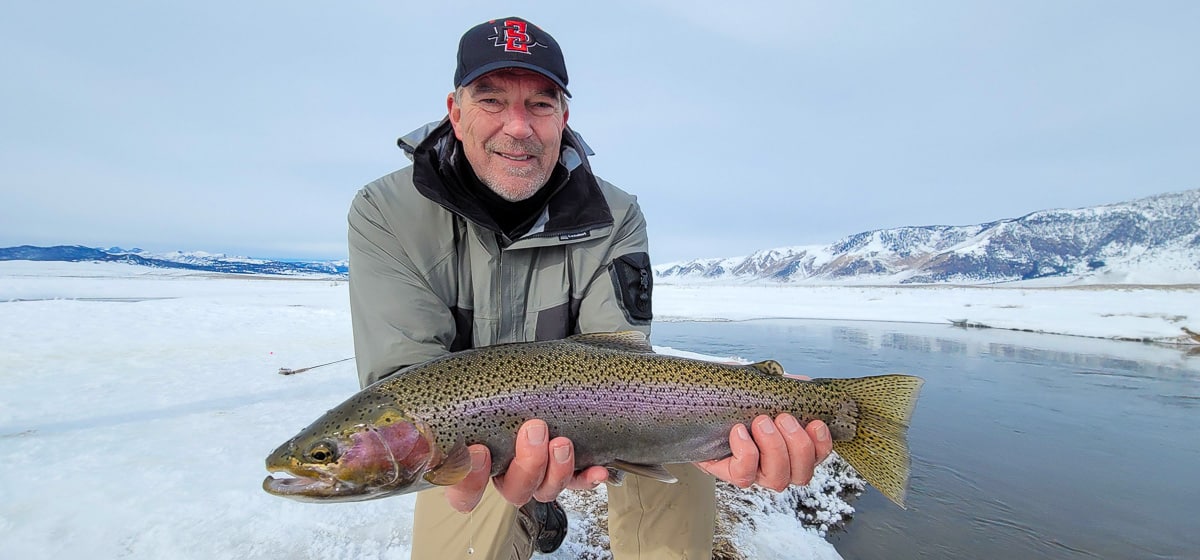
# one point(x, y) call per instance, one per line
point(540, 470)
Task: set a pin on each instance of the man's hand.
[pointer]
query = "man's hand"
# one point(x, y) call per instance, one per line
point(540, 470)
point(780, 453)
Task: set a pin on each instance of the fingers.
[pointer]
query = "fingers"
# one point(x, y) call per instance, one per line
point(588, 478)
point(559, 472)
point(741, 469)
point(819, 433)
point(465, 495)
point(800, 449)
point(743, 466)
point(541, 469)
point(528, 467)
point(775, 459)
point(773, 454)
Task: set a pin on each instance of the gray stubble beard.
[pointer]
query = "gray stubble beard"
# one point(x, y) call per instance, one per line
point(538, 177)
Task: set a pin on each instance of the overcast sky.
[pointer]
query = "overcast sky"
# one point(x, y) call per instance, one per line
point(247, 127)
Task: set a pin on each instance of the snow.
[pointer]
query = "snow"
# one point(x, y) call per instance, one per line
point(1155, 313)
point(137, 404)
point(1147, 241)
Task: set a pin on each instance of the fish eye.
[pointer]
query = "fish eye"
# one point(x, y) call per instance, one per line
point(321, 452)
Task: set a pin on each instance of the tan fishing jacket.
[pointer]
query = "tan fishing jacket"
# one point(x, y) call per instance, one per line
point(431, 273)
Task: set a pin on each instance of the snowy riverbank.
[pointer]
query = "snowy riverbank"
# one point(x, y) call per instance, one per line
point(136, 405)
point(1142, 313)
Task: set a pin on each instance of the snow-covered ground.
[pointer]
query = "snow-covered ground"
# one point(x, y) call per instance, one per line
point(137, 405)
point(1152, 313)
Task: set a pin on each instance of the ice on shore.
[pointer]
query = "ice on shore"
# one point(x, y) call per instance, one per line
point(137, 405)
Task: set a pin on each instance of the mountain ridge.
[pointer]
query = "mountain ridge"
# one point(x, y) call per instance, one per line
point(1150, 240)
point(198, 260)
point(1156, 237)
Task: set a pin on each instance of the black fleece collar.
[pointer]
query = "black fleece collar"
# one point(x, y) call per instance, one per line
point(576, 205)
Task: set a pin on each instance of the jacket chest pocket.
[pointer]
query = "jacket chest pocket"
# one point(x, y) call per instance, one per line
point(553, 310)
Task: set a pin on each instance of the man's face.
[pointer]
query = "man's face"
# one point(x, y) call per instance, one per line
point(510, 123)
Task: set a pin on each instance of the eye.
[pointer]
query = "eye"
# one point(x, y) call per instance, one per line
point(321, 452)
point(542, 108)
point(491, 104)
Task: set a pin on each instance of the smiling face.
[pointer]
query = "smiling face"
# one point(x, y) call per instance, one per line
point(510, 123)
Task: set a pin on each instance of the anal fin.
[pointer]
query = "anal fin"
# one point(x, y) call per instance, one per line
point(657, 472)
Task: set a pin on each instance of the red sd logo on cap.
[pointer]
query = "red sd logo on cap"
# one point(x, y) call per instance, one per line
point(515, 37)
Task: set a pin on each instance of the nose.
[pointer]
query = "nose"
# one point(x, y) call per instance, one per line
point(516, 122)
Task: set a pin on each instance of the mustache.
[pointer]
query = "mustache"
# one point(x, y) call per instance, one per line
point(530, 147)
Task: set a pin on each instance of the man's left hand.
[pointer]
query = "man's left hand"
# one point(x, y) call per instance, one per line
point(773, 453)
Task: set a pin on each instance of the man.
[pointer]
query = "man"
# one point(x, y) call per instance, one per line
point(500, 232)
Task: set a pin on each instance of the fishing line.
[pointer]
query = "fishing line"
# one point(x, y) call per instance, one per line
point(288, 371)
point(471, 537)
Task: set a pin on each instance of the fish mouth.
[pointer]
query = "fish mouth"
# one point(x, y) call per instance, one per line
point(308, 489)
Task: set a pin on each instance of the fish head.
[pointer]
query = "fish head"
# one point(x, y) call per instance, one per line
point(353, 457)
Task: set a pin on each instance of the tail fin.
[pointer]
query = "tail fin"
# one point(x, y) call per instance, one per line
point(879, 450)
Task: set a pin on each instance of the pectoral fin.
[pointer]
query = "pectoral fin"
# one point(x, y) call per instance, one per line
point(657, 472)
point(453, 469)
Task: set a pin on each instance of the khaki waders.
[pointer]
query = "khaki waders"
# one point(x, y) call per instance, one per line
point(647, 520)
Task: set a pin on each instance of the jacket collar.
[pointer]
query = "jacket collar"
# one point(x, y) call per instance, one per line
point(577, 207)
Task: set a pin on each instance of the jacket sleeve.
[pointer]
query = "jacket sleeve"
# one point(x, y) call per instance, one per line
point(397, 318)
point(618, 297)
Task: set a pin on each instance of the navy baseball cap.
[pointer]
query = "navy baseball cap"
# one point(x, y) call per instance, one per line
point(509, 43)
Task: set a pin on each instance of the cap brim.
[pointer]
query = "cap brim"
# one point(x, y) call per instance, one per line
point(501, 64)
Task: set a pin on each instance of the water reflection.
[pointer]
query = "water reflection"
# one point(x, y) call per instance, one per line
point(1024, 445)
point(901, 341)
point(945, 346)
point(852, 336)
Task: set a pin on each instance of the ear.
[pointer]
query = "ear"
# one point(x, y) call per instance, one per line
point(455, 114)
point(566, 114)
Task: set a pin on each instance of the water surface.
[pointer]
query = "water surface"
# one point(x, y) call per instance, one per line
point(1024, 445)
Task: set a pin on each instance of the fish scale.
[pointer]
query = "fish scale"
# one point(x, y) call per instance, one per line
point(622, 405)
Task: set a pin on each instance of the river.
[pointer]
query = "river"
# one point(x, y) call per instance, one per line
point(1023, 445)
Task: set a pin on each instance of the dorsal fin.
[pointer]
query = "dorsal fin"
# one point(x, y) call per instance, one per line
point(768, 367)
point(625, 341)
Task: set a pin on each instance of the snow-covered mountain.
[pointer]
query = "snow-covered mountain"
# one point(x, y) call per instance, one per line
point(196, 260)
point(1149, 240)
point(1153, 240)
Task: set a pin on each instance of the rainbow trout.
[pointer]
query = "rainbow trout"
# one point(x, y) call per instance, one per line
point(621, 404)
